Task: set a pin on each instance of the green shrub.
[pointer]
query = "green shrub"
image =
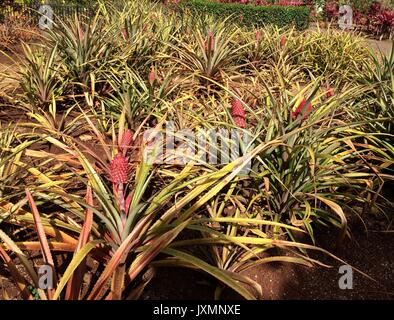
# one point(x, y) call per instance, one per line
point(254, 15)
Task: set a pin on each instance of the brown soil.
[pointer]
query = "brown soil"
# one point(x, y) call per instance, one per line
point(372, 253)
point(370, 249)
point(10, 58)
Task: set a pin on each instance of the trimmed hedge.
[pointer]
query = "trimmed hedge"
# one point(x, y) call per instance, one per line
point(253, 15)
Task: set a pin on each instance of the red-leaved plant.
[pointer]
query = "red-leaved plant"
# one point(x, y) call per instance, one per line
point(331, 11)
point(381, 20)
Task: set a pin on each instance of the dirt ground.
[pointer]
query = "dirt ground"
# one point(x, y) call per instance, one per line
point(371, 253)
point(8, 65)
point(7, 58)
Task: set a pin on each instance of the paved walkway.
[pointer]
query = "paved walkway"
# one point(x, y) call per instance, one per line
point(383, 46)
